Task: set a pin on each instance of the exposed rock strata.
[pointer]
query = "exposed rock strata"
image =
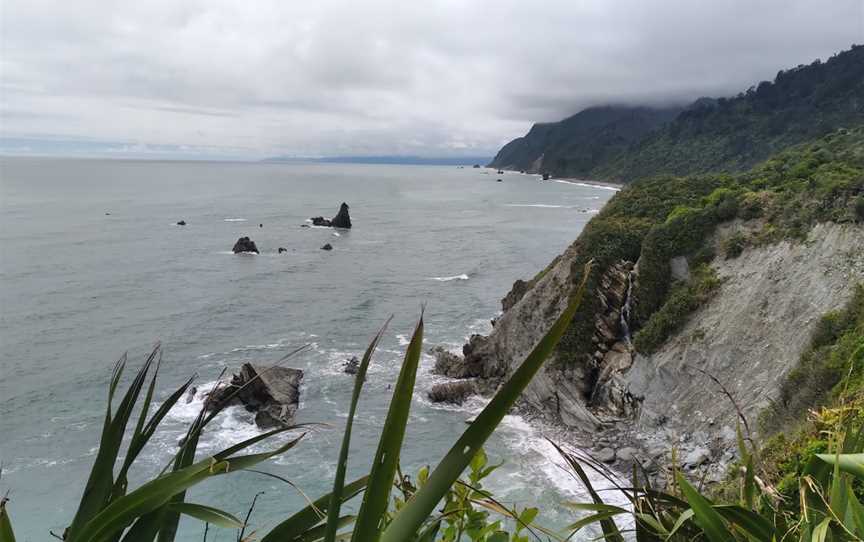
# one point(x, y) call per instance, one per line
point(748, 336)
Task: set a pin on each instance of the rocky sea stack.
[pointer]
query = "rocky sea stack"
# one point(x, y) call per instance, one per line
point(273, 393)
point(244, 244)
point(341, 220)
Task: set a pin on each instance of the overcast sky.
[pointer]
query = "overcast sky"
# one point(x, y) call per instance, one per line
point(328, 77)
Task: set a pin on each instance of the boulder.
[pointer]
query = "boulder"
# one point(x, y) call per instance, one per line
point(244, 244)
point(626, 454)
point(320, 221)
point(499, 180)
point(327, 246)
point(282, 249)
point(181, 223)
point(606, 455)
point(476, 166)
point(272, 392)
point(351, 366)
point(453, 393)
point(447, 363)
point(696, 457)
point(342, 220)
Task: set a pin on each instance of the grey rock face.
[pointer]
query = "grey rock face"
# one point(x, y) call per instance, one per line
point(273, 393)
point(520, 287)
point(750, 334)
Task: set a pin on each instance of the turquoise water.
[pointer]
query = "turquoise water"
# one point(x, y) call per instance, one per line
point(80, 286)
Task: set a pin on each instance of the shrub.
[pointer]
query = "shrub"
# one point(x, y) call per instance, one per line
point(734, 245)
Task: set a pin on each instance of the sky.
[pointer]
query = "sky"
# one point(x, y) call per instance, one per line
point(257, 78)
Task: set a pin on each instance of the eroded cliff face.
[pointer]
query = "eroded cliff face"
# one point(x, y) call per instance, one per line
point(748, 336)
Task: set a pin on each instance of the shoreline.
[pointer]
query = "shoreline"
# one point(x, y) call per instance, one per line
point(585, 182)
point(572, 180)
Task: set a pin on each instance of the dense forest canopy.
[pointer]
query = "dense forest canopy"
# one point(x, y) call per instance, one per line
point(710, 135)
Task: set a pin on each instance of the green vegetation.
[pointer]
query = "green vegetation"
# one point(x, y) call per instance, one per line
point(683, 300)
point(578, 144)
point(829, 380)
point(827, 505)
point(711, 135)
point(733, 134)
point(654, 220)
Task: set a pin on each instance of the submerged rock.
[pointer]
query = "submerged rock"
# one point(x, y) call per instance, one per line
point(282, 249)
point(453, 393)
point(244, 244)
point(181, 223)
point(327, 246)
point(273, 393)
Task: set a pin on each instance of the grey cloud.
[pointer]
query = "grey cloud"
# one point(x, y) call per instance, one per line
point(382, 76)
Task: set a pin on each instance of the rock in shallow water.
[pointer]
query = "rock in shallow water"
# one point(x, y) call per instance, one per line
point(341, 220)
point(453, 393)
point(273, 393)
point(244, 244)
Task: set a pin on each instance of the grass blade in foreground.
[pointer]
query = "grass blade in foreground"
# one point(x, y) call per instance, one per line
point(411, 517)
point(377, 495)
point(6, 534)
point(295, 527)
point(338, 483)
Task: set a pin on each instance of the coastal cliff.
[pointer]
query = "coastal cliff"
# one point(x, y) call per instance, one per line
point(704, 296)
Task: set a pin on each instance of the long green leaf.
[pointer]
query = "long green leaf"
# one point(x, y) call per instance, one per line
point(6, 534)
point(377, 496)
point(709, 520)
point(296, 525)
point(342, 465)
point(851, 463)
point(122, 512)
point(207, 514)
point(420, 506)
point(607, 524)
point(99, 488)
point(747, 521)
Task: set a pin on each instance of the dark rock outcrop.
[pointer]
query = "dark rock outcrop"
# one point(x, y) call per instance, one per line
point(327, 246)
point(244, 244)
point(282, 249)
point(341, 220)
point(453, 393)
point(181, 223)
point(517, 292)
point(273, 393)
point(351, 366)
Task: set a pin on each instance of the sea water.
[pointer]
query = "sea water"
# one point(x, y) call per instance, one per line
point(93, 264)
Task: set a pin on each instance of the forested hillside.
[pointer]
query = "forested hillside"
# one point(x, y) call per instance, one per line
point(711, 135)
point(578, 144)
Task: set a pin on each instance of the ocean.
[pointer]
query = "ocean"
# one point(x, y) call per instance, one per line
point(92, 265)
